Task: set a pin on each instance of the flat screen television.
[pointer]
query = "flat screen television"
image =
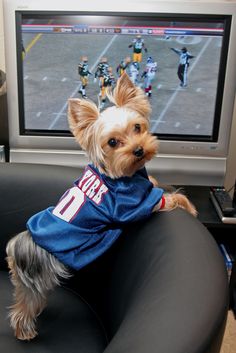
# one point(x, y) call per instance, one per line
point(191, 45)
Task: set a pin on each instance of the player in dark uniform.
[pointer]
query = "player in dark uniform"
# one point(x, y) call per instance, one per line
point(83, 72)
point(108, 80)
point(138, 46)
point(23, 51)
point(123, 66)
point(102, 69)
point(184, 57)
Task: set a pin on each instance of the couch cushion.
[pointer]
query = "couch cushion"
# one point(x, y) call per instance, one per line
point(67, 319)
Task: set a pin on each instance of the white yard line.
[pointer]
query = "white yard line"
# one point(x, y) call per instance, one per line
point(172, 98)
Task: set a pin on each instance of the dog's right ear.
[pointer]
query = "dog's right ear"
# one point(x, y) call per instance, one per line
point(82, 114)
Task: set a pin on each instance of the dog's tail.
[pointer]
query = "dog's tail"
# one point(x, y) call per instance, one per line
point(37, 269)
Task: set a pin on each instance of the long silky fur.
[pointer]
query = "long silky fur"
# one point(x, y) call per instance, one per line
point(33, 272)
point(35, 267)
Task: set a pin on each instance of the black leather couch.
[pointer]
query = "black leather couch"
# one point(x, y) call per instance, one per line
point(161, 288)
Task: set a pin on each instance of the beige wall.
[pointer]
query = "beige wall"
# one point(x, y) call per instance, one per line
point(2, 59)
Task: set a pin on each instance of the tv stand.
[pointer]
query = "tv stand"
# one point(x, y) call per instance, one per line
point(200, 197)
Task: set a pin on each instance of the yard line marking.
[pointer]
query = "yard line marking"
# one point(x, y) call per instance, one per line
point(33, 41)
point(51, 126)
point(172, 98)
point(161, 122)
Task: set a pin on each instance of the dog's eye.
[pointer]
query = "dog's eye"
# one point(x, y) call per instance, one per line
point(112, 142)
point(137, 127)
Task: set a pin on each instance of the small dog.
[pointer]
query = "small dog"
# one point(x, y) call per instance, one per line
point(114, 190)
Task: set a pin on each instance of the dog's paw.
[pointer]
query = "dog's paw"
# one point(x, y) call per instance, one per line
point(25, 335)
point(175, 200)
point(183, 202)
point(24, 328)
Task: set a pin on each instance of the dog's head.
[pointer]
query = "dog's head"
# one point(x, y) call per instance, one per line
point(117, 139)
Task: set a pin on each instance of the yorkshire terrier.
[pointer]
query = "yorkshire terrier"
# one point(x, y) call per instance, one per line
point(114, 190)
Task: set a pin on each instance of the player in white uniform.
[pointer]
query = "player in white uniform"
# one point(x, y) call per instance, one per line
point(149, 74)
point(134, 72)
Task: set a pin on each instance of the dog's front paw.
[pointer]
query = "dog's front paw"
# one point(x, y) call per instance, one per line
point(183, 202)
point(175, 200)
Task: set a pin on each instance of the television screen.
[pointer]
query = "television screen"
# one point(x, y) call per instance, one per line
point(179, 61)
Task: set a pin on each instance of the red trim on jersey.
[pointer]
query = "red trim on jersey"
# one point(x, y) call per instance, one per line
point(163, 202)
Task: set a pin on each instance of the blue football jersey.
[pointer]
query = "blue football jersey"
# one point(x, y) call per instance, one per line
point(90, 216)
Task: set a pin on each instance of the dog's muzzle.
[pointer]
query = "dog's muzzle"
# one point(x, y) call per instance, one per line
point(138, 152)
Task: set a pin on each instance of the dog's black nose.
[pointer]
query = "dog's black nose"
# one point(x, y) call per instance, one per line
point(138, 152)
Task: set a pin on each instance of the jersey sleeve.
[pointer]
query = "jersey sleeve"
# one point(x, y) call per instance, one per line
point(136, 201)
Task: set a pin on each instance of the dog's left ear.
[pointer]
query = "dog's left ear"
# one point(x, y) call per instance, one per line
point(127, 95)
point(82, 114)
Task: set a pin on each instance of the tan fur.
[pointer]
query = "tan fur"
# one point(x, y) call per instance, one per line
point(81, 116)
point(129, 96)
point(153, 181)
point(177, 200)
point(120, 161)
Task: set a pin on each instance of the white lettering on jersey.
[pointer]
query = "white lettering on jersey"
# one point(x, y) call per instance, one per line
point(92, 186)
point(93, 189)
point(71, 202)
point(99, 195)
point(85, 176)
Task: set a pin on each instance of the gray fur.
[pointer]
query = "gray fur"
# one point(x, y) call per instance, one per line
point(34, 272)
point(37, 269)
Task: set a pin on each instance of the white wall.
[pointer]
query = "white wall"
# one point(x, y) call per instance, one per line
point(2, 59)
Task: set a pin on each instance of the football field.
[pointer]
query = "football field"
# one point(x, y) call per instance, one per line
point(51, 77)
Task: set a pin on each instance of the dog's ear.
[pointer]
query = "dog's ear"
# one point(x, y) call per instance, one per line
point(127, 95)
point(82, 114)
